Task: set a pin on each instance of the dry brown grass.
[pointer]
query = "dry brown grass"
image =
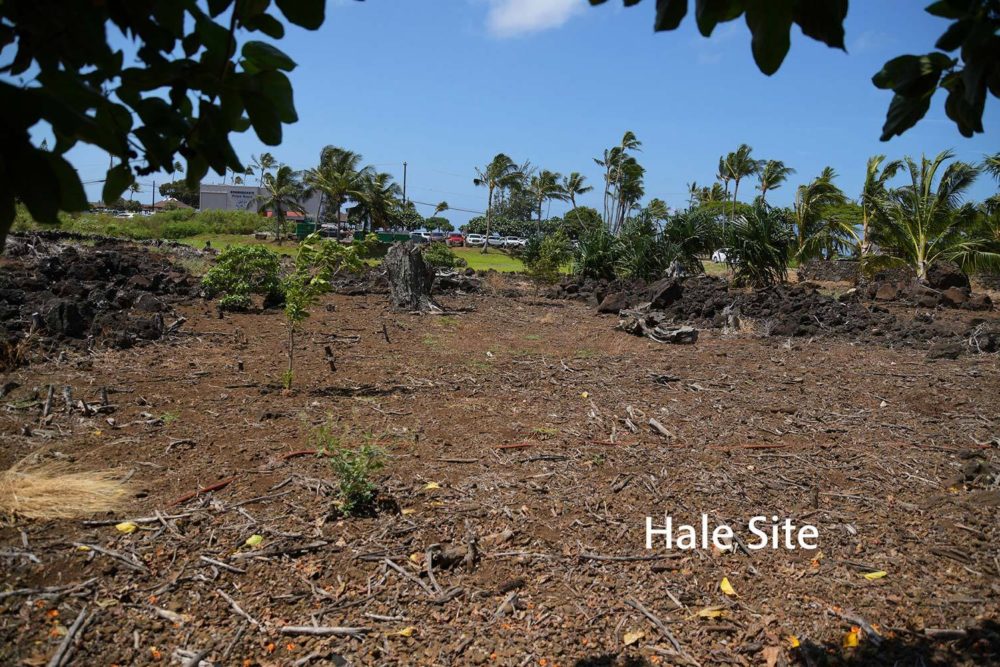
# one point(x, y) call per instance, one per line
point(53, 491)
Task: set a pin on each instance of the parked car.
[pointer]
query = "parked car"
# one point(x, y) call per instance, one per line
point(513, 242)
point(495, 240)
point(475, 240)
point(420, 237)
point(455, 239)
point(720, 255)
point(436, 237)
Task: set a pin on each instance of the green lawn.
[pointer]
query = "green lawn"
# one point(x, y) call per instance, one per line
point(221, 241)
point(494, 259)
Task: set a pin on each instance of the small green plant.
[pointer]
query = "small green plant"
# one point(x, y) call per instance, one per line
point(440, 256)
point(546, 256)
point(758, 244)
point(286, 378)
point(238, 303)
point(242, 270)
point(353, 468)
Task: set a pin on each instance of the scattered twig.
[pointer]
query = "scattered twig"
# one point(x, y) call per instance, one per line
point(239, 610)
point(221, 484)
point(61, 653)
point(324, 631)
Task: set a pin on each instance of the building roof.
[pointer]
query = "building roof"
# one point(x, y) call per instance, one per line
point(170, 202)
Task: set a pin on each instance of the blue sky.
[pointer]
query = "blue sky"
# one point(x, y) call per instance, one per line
point(447, 84)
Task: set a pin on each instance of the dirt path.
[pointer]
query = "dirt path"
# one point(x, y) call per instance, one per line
point(509, 426)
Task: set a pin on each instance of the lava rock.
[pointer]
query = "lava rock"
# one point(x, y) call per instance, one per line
point(943, 275)
point(613, 303)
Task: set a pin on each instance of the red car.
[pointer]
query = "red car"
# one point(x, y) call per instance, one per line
point(455, 239)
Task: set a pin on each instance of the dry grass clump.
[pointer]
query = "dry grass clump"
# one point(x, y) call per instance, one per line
point(52, 491)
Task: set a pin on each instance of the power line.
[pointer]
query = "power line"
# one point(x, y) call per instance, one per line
point(450, 208)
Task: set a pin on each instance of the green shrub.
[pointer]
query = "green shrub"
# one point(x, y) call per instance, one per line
point(231, 222)
point(244, 270)
point(440, 256)
point(235, 302)
point(545, 256)
point(353, 468)
point(758, 246)
point(596, 255)
point(181, 230)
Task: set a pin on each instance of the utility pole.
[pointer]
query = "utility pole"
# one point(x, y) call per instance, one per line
point(152, 198)
point(404, 184)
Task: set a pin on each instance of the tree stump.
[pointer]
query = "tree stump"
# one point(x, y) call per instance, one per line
point(410, 278)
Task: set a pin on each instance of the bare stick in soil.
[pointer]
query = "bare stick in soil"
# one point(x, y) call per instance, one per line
point(410, 279)
point(61, 653)
point(238, 609)
point(324, 631)
point(47, 408)
point(669, 636)
point(122, 558)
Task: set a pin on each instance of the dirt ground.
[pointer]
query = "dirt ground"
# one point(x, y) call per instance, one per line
point(510, 427)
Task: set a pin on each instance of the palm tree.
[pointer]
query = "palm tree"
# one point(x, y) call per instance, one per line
point(440, 208)
point(377, 199)
point(573, 185)
point(501, 173)
point(772, 174)
point(924, 224)
point(282, 194)
point(815, 231)
point(237, 180)
point(874, 192)
point(133, 189)
point(545, 186)
point(264, 163)
point(740, 165)
point(723, 174)
point(615, 162)
point(338, 178)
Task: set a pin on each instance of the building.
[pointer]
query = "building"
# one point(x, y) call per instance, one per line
point(243, 198)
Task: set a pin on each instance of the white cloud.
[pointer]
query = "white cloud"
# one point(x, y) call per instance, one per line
point(510, 18)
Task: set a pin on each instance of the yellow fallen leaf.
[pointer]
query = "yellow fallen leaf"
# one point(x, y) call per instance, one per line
point(871, 576)
point(126, 527)
point(417, 558)
point(254, 540)
point(407, 631)
point(83, 547)
point(711, 612)
point(793, 641)
point(408, 511)
point(632, 637)
point(727, 587)
point(584, 394)
point(850, 639)
point(432, 485)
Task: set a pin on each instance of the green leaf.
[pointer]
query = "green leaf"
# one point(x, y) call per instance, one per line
point(912, 76)
point(71, 194)
point(904, 112)
point(267, 24)
point(263, 117)
point(955, 35)
point(949, 9)
point(117, 179)
point(709, 13)
point(669, 14)
point(306, 13)
point(267, 57)
point(823, 20)
point(770, 22)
